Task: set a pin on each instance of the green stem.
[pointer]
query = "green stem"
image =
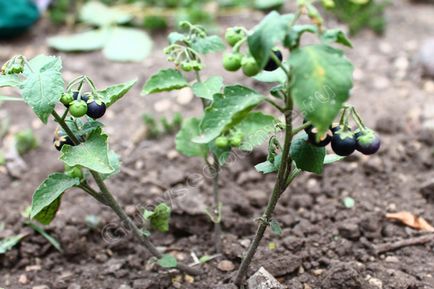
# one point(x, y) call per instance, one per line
point(358, 119)
point(300, 128)
point(109, 200)
point(274, 104)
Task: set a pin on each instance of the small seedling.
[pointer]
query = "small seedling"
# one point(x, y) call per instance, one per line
point(79, 138)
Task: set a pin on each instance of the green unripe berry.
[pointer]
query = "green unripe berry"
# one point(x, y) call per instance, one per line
point(78, 108)
point(186, 66)
point(66, 99)
point(233, 36)
point(232, 61)
point(222, 142)
point(250, 67)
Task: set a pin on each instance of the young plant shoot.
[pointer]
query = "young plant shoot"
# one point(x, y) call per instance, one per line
point(81, 140)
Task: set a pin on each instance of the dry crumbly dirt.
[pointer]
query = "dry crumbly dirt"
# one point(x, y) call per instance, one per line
point(323, 244)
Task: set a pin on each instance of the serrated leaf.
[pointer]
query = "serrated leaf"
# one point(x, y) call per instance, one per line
point(42, 91)
point(98, 14)
point(92, 154)
point(336, 35)
point(45, 200)
point(208, 88)
point(227, 110)
point(321, 83)
point(115, 92)
point(267, 34)
point(256, 128)
point(307, 157)
point(164, 80)
point(275, 227)
point(292, 39)
point(159, 218)
point(332, 158)
point(167, 261)
point(42, 63)
point(208, 44)
point(184, 144)
point(83, 41)
point(10, 242)
point(10, 80)
point(127, 44)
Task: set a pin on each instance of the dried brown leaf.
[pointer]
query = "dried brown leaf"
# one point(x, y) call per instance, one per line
point(411, 220)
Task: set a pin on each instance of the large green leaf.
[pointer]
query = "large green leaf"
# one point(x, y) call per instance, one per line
point(43, 88)
point(98, 14)
point(10, 80)
point(227, 110)
point(127, 44)
point(83, 41)
point(42, 63)
point(208, 88)
point(164, 80)
point(184, 144)
point(336, 35)
point(92, 154)
point(321, 83)
point(256, 128)
point(307, 157)
point(115, 163)
point(208, 44)
point(115, 92)
point(267, 34)
point(46, 199)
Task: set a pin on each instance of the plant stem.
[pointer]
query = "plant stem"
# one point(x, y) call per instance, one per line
point(279, 187)
point(107, 198)
point(215, 171)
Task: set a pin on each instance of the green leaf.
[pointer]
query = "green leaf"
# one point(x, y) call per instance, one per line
point(164, 80)
point(127, 44)
point(167, 261)
point(115, 92)
point(256, 128)
point(53, 241)
point(292, 39)
point(227, 111)
point(92, 154)
point(268, 4)
point(98, 14)
point(208, 88)
point(42, 90)
point(175, 37)
point(46, 201)
point(321, 83)
point(267, 34)
point(208, 44)
point(83, 41)
point(336, 35)
point(277, 75)
point(42, 63)
point(184, 144)
point(275, 227)
point(268, 166)
point(159, 217)
point(115, 163)
point(10, 242)
point(332, 158)
point(10, 80)
point(307, 156)
point(222, 154)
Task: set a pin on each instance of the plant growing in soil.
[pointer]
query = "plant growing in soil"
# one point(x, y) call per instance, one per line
point(315, 80)
point(81, 140)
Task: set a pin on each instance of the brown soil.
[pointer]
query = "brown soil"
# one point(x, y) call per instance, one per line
point(323, 245)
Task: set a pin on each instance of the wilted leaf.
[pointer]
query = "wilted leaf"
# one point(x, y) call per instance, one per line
point(411, 220)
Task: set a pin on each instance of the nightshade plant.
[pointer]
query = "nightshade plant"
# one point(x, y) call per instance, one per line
point(81, 140)
point(315, 80)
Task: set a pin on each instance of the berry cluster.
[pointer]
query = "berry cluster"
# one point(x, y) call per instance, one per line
point(235, 139)
point(13, 66)
point(80, 105)
point(344, 140)
point(233, 61)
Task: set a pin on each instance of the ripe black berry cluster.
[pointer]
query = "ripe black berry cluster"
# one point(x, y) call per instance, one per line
point(344, 141)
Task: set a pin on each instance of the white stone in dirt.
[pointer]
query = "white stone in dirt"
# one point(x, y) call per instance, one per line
point(426, 57)
point(375, 282)
point(123, 286)
point(263, 280)
point(225, 266)
point(41, 287)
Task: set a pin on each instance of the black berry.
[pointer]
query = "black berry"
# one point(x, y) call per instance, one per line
point(96, 110)
point(343, 142)
point(271, 64)
point(367, 142)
